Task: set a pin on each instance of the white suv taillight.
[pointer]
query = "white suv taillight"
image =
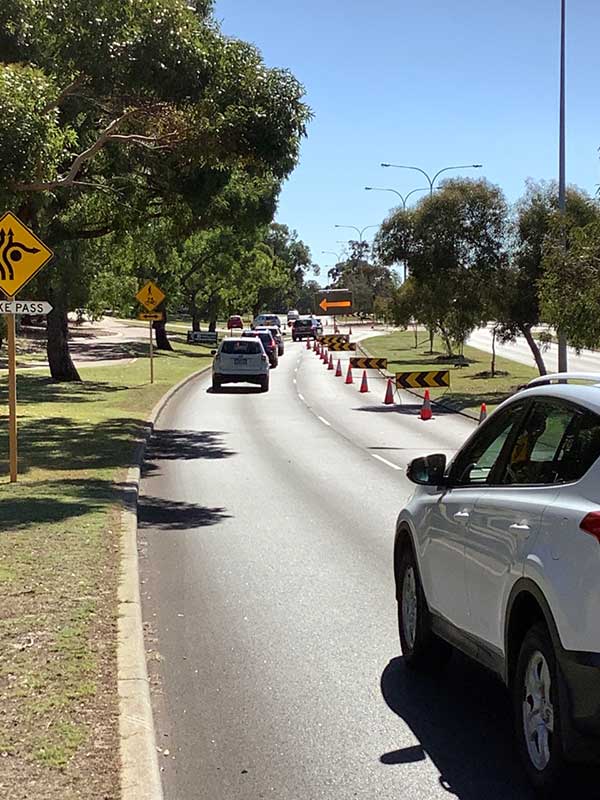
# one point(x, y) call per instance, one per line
point(263, 358)
point(591, 524)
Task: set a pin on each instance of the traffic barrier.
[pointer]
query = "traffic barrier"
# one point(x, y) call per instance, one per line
point(482, 413)
point(389, 394)
point(364, 386)
point(426, 412)
point(330, 364)
point(349, 378)
point(338, 369)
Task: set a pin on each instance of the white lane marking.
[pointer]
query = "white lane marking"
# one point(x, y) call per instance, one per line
point(301, 396)
point(385, 461)
point(324, 421)
point(295, 381)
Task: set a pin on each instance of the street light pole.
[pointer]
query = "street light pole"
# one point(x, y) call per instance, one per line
point(430, 180)
point(562, 193)
point(403, 198)
point(360, 231)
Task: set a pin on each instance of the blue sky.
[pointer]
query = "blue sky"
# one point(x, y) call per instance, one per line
point(429, 83)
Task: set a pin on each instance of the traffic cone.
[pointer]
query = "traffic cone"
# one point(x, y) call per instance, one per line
point(338, 369)
point(324, 355)
point(364, 386)
point(426, 412)
point(349, 378)
point(389, 394)
point(330, 364)
point(308, 344)
point(315, 345)
point(482, 413)
point(318, 349)
point(350, 330)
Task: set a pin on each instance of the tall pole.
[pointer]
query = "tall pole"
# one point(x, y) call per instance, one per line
point(562, 195)
point(12, 396)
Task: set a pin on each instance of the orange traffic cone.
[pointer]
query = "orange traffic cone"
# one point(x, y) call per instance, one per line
point(482, 413)
point(350, 330)
point(324, 355)
point(426, 412)
point(338, 369)
point(315, 345)
point(308, 344)
point(330, 364)
point(389, 394)
point(349, 378)
point(318, 349)
point(364, 386)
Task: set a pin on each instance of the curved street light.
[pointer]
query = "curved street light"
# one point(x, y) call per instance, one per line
point(360, 231)
point(430, 180)
point(403, 198)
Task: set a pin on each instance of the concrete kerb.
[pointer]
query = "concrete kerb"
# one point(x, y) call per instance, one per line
point(387, 374)
point(140, 773)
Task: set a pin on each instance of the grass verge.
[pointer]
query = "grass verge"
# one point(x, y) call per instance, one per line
point(59, 557)
point(470, 386)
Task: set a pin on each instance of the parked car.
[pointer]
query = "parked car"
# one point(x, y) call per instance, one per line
point(240, 360)
point(277, 335)
point(234, 322)
point(306, 328)
point(292, 315)
point(498, 554)
point(266, 320)
point(269, 344)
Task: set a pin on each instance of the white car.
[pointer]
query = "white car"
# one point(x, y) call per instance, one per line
point(240, 360)
point(498, 554)
point(266, 321)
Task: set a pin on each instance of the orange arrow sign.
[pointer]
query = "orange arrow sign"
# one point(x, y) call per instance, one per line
point(326, 304)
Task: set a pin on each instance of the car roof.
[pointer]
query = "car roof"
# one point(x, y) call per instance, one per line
point(583, 394)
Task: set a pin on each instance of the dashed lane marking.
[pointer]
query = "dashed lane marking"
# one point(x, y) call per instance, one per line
point(324, 421)
point(385, 461)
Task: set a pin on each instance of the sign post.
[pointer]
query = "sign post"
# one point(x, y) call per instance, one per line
point(12, 397)
point(150, 296)
point(22, 255)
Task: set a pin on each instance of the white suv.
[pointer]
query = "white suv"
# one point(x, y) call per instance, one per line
point(498, 554)
point(240, 360)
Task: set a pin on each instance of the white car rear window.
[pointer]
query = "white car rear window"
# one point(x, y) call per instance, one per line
point(248, 347)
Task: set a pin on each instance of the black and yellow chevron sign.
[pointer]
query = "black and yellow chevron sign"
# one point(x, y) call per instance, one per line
point(334, 338)
point(368, 363)
point(422, 380)
point(339, 346)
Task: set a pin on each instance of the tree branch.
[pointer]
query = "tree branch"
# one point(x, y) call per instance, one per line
point(68, 90)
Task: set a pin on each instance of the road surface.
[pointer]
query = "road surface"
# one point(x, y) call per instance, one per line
point(266, 527)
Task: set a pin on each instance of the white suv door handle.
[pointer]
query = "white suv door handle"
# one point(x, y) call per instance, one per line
point(462, 515)
point(520, 527)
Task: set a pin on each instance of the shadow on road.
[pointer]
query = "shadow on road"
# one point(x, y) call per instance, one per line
point(178, 445)
point(462, 721)
point(227, 389)
point(410, 409)
point(170, 515)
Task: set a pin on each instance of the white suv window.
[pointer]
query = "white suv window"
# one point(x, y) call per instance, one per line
point(475, 465)
point(558, 443)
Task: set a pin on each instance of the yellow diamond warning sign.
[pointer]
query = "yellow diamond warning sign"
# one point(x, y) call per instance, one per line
point(22, 254)
point(150, 296)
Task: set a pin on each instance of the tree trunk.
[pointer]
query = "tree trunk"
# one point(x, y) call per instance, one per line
point(160, 333)
point(431, 336)
point(213, 310)
point(447, 341)
point(539, 359)
point(195, 313)
point(416, 336)
point(62, 367)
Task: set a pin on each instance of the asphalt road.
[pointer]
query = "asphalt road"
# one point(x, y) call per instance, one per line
point(266, 529)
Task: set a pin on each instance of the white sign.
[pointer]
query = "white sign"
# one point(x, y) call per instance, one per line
point(33, 307)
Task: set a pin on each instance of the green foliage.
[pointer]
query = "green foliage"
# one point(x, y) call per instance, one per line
point(570, 287)
point(454, 244)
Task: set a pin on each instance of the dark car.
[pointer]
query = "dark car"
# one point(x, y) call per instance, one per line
point(277, 335)
point(306, 328)
point(269, 344)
